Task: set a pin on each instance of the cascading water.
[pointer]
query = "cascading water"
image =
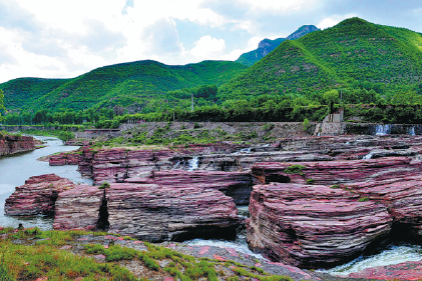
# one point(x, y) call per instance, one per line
point(193, 164)
point(244, 150)
point(368, 156)
point(411, 131)
point(394, 254)
point(383, 130)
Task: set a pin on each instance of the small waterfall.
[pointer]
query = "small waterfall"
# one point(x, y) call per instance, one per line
point(193, 164)
point(368, 156)
point(244, 150)
point(411, 131)
point(383, 130)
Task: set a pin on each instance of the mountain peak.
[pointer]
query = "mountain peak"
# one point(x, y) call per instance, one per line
point(352, 21)
point(267, 45)
point(303, 30)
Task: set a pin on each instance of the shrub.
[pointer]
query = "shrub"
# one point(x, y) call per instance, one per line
point(363, 199)
point(294, 169)
point(94, 249)
point(306, 124)
point(335, 186)
point(310, 181)
point(117, 253)
point(268, 127)
point(104, 185)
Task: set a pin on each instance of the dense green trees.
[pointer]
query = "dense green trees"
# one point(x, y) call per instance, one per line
point(1, 104)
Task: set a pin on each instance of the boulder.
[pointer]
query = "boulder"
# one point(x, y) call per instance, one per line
point(313, 226)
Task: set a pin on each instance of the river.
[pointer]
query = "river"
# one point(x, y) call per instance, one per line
point(15, 169)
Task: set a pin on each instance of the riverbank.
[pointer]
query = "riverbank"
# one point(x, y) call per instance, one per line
point(121, 258)
point(13, 144)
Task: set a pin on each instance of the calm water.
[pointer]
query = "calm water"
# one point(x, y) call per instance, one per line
point(15, 169)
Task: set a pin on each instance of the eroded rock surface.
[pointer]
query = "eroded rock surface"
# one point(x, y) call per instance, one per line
point(335, 172)
point(79, 208)
point(37, 196)
point(237, 185)
point(311, 225)
point(157, 213)
point(10, 144)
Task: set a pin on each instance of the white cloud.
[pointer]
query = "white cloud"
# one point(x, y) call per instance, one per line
point(208, 48)
point(333, 20)
point(280, 6)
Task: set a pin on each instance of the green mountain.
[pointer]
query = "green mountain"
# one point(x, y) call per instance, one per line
point(21, 91)
point(124, 84)
point(354, 53)
point(266, 46)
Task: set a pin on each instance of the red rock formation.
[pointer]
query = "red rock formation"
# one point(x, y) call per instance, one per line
point(149, 211)
point(65, 158)
point(403, 198)
point(37, 196)
point(313, 226)
point(10, 144)
point(237, 185)
point(78, 208)
point(157, 213)
point(334, 172)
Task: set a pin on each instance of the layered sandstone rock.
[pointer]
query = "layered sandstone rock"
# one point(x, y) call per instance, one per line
point(237, 185)
point(157, 213)
point(403, 198)
point(335, 172)
point(65, 158)
point(148, 211)
point(313, 226)
point(10, 144)
point(37, 196)
point(79, 207)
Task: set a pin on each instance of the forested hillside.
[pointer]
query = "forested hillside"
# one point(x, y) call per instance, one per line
point(353, 62)
point(121, 84)
point(266, 46)
point(353, 54)
point(22, 91)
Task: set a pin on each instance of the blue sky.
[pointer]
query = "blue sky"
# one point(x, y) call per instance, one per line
point(63, 38)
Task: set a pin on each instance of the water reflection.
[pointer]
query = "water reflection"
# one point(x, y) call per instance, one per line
point(15, 169)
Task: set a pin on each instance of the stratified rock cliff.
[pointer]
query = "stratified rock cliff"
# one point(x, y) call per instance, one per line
point(11, 144)
point(311, 225)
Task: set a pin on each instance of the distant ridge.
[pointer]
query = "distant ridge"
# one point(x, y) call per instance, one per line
point(266, 46)
point(124, 84)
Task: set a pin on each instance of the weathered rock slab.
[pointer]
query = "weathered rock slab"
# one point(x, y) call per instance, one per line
point(237, 185)
point(37, 196)
point(313, 226)
point(78, 208)
point(158, 213)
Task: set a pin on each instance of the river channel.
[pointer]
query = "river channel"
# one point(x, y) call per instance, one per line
point(15, 169)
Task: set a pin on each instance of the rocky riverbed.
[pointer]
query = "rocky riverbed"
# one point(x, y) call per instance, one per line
point(314, 202)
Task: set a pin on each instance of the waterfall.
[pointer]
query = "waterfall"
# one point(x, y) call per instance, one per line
point(383, 130)
point(244, 150)
point(411, 131)
point(368, 156)
point(193, 164)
